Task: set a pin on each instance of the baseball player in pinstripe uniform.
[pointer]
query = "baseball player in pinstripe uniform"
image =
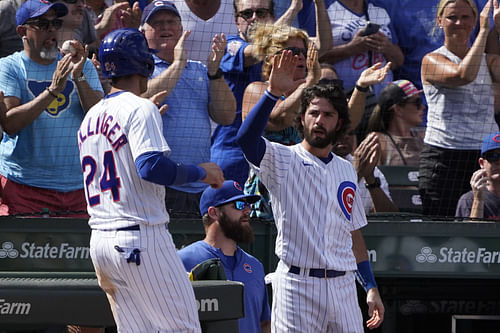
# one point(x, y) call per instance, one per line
point(123, 157)
point(316, 210)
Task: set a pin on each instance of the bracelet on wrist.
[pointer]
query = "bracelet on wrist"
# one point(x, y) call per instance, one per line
point(217, 75)
point(51, 92)
point(362, 89)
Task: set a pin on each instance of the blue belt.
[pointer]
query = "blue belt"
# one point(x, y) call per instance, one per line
point(318, 272)
point(132, 227)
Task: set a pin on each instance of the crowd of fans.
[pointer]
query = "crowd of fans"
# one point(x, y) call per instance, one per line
point(427, 89)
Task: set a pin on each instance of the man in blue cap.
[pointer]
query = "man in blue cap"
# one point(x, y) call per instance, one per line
point(226, 218)
point(197, 95)
point(46, 97)
point(483, 201)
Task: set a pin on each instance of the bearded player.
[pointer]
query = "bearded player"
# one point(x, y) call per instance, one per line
point(316, 210)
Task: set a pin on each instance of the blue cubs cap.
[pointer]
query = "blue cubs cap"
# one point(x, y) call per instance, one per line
point(155, 6)
point(35, 8)
point(490, 142)
point(230, 191)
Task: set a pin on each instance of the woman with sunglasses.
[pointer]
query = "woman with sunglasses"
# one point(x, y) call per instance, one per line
point(398, 112)
point(457, 80)
point(270, 40)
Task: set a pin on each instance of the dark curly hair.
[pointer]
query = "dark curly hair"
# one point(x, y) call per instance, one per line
point(337, 99)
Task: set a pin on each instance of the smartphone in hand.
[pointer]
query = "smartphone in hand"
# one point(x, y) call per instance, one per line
point(370, 29)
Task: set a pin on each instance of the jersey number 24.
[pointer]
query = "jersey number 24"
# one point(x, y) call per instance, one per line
point(108, 182)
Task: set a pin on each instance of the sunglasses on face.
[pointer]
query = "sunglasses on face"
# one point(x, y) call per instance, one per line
point(44, 24)
point(295, 50)
point(491, 156)
point(417, 102)
point(334, 82)
point(240, 205)
point(259, 12)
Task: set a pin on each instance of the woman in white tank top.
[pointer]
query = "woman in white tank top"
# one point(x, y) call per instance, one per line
point(457, 80)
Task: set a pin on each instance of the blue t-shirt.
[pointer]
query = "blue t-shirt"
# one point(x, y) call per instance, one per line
point(246, 269)
point(45, 153)
point(186, 124)
point(225, 151)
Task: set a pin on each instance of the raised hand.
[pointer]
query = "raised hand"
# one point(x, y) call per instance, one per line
point(214, 177)
point(366, 156)
point(484, 16)
point(110, 16)
point(180, 53)
point(215, 57)
point(60, 76)
point(373, 75)
point(312, 63)
point(78, 60)
point(131, 17)
point(496, 15)
point(282, 73)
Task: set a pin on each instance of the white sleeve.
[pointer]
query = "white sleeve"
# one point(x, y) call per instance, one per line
point(145, 130)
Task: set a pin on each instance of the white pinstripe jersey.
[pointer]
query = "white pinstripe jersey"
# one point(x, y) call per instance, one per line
point(314, 206)
point(113, 134)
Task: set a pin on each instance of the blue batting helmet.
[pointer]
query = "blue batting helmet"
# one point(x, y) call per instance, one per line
point(124, 52)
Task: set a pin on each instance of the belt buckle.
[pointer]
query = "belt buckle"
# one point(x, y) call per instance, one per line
point(325, 273)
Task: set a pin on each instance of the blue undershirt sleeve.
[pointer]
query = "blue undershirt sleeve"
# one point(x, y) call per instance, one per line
point(249, 135)
point(159, 169)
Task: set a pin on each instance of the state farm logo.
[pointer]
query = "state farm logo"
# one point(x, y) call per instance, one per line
point(8, 250)
point(31, 250)
point(426, 255)
point(464, 255)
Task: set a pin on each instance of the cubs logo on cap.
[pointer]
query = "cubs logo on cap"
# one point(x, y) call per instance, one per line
point(490, 142)
point(345, 197)
point(230, 191)
point(156, 6)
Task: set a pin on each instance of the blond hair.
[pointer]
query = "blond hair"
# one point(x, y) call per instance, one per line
point(270, 39)
point(442, 5)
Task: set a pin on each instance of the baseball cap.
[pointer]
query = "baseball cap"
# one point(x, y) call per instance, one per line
point(490, 142)
point(230, 191)
point(155, 6)
point(35, 8)
point(397, 92)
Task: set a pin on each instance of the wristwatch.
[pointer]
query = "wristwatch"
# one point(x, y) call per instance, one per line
point(81, 78)
point(362, 89)
point(375, 184)
point(216, 76)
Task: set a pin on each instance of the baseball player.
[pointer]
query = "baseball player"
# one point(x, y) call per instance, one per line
point(125, 168)
point(317, 212)
point(226, 219)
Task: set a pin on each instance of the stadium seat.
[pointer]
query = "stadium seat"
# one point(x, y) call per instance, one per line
point(403, 185)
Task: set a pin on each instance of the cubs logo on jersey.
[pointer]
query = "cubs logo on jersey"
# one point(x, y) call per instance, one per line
point(60, 103)
point(345, 196)
point(247, 268)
